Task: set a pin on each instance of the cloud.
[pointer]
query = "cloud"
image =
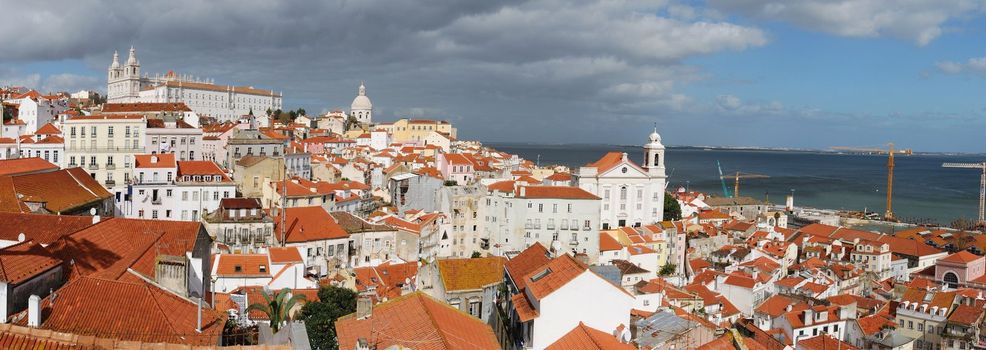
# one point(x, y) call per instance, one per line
point(52, 83)
point(736, 105)
point(920, 21)
point(975, 65)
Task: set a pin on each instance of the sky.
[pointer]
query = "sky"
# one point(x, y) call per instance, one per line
point(768, 73)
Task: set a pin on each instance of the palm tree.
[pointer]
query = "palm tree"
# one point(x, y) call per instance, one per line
point(277, 307)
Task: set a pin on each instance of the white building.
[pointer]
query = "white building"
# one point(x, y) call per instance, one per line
point(554, 298)
point(174, 136)
point(362, 109)
point(223, 102)
point(36, 110)
point(559, 217)
point(631, 195)
point(175, 190)
point(104, 145)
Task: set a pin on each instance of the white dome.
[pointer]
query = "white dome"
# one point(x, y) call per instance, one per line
point(655, 137)
point(361, 102)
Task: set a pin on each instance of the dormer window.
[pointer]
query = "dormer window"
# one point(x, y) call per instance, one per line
point(263, 268)
point(238, 268)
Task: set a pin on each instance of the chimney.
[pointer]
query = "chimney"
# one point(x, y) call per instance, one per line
point(34, 311)
point(364, 308)
point(809, 316)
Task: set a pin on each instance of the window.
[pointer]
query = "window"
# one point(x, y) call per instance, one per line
point(921, 327)
point(540, 208)
point(154, 214)
point(569, 207)
point(140, 214)
point(110, 131)
point(167, 213)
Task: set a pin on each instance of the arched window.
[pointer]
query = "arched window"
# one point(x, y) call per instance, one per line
point(952, 279)
point(623, 193)
point(657, 159)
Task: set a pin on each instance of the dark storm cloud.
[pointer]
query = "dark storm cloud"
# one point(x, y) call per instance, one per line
point(556, 67)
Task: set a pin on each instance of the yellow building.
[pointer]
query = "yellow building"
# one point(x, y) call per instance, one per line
point(416, 130)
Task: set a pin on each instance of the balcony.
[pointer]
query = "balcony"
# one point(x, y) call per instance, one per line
point(573, 242)
point(110, 166)
point(156, 200)
point(110, 183)
point(93, 166)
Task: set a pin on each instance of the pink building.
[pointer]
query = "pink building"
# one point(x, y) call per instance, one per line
point(959, 268)
point(456, 167)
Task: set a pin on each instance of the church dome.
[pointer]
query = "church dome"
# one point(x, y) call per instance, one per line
point(361, 102)
point(654, 136)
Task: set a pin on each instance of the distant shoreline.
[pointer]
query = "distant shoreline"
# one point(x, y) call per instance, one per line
point(720, 148)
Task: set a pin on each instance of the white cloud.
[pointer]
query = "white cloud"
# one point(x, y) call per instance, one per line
point(975, 65)
point(920, 21)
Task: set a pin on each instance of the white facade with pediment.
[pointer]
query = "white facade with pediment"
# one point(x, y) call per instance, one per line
point(632, 195)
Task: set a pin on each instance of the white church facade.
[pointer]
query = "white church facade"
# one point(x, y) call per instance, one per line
point(223, 102)
point(632, 194)
point(362, 108)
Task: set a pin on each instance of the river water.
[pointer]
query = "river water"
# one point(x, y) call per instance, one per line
point(923, 190)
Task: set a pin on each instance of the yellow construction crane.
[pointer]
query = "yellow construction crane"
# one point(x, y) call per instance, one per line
point(890, 151)
point(739, 176)
point(982, 185)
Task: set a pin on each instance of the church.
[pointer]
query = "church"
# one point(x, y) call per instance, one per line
point(223, 102)
point(362, 109)
point(632, 194)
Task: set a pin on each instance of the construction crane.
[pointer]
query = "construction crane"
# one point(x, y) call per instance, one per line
point(736, 177)
point(890, 151)
point(982, 185)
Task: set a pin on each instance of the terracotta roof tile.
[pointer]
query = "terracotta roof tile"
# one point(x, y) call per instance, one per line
point(527, 261)
point(41, 228)
point(608, 243)
point(387, 280)
point(306, 224)
point(92, 306)
point(18, 166)
point(24, 260)
point(555, 274)
point(163, 160)
point(554, 192)
point(583, 337)
point(242, 265)
point(471, 274)
point(281, 255)
point(421, 322)
point(61, 190)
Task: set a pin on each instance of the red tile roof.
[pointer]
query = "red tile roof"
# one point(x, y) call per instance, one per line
point(41, 228)
point(609, 161)
point(962, 257)
point(416, 320)
point(583, 337)
point(386, 280)
point(164, 160)
point(966, 315)
point(306, 224)
point(242, 265)
point(608, 243)
point(108, 249)
point(824, 342)
point(18, 166)
point(554, 192)
point(136, 311)
point(555, 274)
point(200, 167)
point(471, 274)
point(25, 260)
point(529, 260)
point(61, 191)
point(281, 255)
point(146, 107)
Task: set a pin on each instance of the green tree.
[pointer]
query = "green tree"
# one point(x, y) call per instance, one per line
point(672, 210)
point(301, 111)
point(351, 122)
point(320, 316)
point(667, 270)
point(476, 254)
point(269, 112)
point(277, 307)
